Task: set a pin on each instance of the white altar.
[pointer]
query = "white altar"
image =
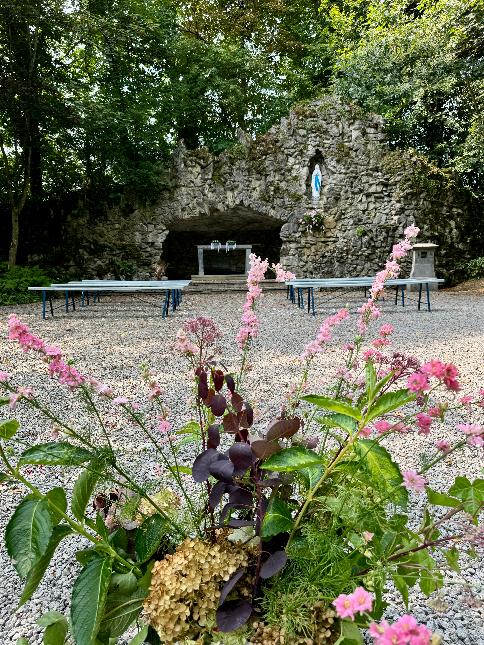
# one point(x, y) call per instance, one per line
point(202, 248)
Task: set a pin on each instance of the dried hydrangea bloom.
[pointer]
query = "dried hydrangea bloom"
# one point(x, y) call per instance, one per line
point(185, 587)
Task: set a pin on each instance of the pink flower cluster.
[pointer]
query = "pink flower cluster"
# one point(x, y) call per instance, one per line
point(324, 334)
point(413, 481)
point(406, 631)
point(474, 432)
point(281, 274)
point(357, 602)
point(66, 374)
point(250, 322)
point(447, 373)
point(369, 311)
point(204, 332)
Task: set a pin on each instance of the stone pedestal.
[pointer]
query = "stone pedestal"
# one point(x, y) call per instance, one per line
point(423, 261)
point(206, 247)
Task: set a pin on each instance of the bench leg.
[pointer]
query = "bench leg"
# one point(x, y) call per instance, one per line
point(166, 303)
point(312, 301)
point(67, 302)
point(309, 300)
point(396, 295)
point(419, 295)
point(403, 296)
point(51, 306)
point(43, 304)
point(73, 300)
point(428, 295)
point(82, 298)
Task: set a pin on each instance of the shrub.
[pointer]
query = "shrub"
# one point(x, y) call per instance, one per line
point(14, 283)
point(472, 270)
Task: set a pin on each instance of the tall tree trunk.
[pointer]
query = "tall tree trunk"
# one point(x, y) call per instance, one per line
point(13, 250)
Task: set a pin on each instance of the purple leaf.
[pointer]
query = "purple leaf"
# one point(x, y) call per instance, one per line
point(273, 564)
point(241, 456)
point(218, 405)
point(218, 379)
point(284, 428)
point(230, 382)
point(263, 449)
point(230, 584)
point(209, 398)
point(233, 614)
point(237, 401)
point(216, 494)
point(222, 470)
point(202, 390)
point(201, 465)
point(213, 436)
point(242, 435)
point(239, 523)
point(231, 423)
point(240, 496)
point(250, 414)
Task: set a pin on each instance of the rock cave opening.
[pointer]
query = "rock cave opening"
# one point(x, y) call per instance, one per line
point(242, 225)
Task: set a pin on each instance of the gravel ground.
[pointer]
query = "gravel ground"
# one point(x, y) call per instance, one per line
point(110, 340)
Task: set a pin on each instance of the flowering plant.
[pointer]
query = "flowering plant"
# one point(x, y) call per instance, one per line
point(297, 527)
point(313, 221)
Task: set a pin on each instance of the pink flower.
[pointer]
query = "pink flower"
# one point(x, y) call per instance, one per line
point(120, 400)
point(164, 426)
point(324, 334)
point(380, 342)
point(465, 400)
point(367, 536)
point(443, 445)
point(411, 231)
point(4, 377)
point(386, 329)
point(13, 399)
point(478, 442)
point(281, 274)
point(405, 631)
point(359, 601)
point(418, 382)
point(435, 412)
point(413, 481)
point(424, 422)
point(434, 368)
point(382, 426)
point(471, 428)
point(365, 432)
point(183, 345)
point(250, 322)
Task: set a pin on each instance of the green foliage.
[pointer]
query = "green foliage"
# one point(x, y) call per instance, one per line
point(291, 459)
point(277, 519)
point(472, 270)
point(82, 491)
point(384, 472)
point(55, 453)
point(56, 628)
point(8, 429)
point(89, 595)
point(149, 536)
point(14, 283)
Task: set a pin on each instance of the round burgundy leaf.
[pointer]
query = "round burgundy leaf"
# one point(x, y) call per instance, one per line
point(230, 382)
point(231, 423)
point(216, 494)
point(273, 564)
point(201, 465)
point(218, 405)
point(263, 449)
point(250, 414)
point(213, 436)
point(237, 401)
point(237, 524)
point(218, 379)
point(241, 497)
point(233, 614)
point(284, 428)
point(240, 454)
point(202, 390)
point(230, 584)
point(223, 470)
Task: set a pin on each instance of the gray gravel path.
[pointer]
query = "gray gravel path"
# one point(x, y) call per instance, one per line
point(110, 341)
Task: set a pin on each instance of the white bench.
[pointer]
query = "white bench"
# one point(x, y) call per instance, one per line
point(171, 288)
point(296, 288)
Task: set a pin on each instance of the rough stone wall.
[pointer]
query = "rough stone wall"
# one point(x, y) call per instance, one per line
point(369, 195)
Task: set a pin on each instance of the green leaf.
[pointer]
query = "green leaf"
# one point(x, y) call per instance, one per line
point(184, 470)
point(82, 491)
point(123, 582)
point(334, 405)
point(9, 428)
point(121, 611)
point(338, 421)
point(311, 475)
point(401, 586)
point(56, 627)
point(370, 374)
point(192, 427)
point(57, 496)
point(4, 401)
point(140, 637)
point(388, 402)
point(472, 494)
point(290, 459)
point(55, 453)
point(376, 460)
point(277, 519)
point(22, 641)
point(36, 573)
point(441, 499)
point(452, 557)
point(149, 536)
point(89, 598)
point(350, 634)
point(28, 533)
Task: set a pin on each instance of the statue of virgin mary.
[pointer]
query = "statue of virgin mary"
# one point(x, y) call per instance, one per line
point(316, 180)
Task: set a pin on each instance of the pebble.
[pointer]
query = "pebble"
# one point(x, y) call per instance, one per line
point(111, 339)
